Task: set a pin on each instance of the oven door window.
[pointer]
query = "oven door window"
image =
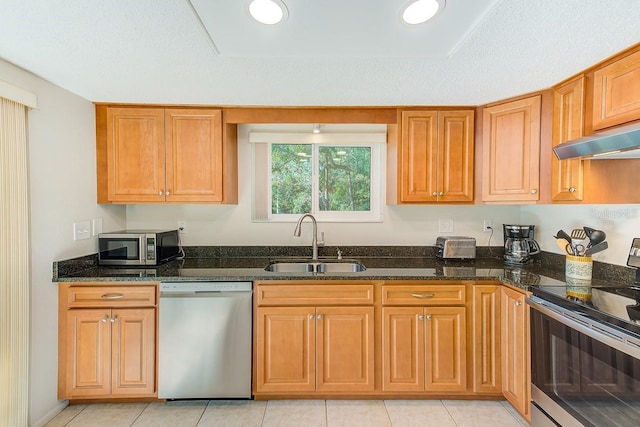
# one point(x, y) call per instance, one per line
point(120, 249)
point(597, 384)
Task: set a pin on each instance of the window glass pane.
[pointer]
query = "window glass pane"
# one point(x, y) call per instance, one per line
point(291, 168)
point(344, 178)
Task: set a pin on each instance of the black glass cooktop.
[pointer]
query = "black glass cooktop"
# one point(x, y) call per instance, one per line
point(616, 305)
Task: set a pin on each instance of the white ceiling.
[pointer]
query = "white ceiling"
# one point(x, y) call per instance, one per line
point(328, 52)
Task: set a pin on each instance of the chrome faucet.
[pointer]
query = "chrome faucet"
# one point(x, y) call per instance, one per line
point(314, 241)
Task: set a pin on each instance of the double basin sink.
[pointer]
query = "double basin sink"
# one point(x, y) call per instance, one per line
point(316, 266)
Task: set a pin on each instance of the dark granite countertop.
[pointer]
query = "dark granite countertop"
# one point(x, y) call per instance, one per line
point(382, 263)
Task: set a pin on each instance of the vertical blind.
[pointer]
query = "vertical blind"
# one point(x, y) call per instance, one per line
point(14, 264)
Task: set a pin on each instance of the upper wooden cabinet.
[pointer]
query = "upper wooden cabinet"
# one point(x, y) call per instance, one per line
point(567, 176)
point(435, 159)
point(156, 155)
point(616, 92)
point(511, 151)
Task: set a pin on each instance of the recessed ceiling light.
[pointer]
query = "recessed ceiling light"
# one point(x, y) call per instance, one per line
point(420, 11)
point(268, 11)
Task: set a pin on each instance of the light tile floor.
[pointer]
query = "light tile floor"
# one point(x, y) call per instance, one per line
point(294, 413)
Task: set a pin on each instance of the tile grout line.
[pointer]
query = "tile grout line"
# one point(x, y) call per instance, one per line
point(446, 408)
point(384, 402)
point(202, 414)
point(136, 418)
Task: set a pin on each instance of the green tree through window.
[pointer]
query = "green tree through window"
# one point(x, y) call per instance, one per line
point(343, 178)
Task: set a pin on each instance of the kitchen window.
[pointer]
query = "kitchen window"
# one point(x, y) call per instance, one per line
point(336, 176)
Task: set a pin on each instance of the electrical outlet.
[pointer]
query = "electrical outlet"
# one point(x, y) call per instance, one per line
point(487, 225)
point(445, 225)
point(182, 227)
point(81, 230)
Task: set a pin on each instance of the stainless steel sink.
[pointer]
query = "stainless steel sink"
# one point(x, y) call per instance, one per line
point(320, 266)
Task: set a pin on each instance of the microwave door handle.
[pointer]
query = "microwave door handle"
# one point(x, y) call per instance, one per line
point(142, 242)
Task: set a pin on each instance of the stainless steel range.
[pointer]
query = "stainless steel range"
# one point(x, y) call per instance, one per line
point(585, 353)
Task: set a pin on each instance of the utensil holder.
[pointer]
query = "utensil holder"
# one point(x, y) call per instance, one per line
point(579, 267)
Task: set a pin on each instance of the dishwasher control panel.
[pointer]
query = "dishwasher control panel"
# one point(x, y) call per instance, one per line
point(206, 286)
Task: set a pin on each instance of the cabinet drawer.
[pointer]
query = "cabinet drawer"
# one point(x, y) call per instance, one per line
point(426, 294)
point(111, 296)
point(314, 295)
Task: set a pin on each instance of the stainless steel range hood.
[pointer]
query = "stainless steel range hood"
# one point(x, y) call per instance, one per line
point(620, 143)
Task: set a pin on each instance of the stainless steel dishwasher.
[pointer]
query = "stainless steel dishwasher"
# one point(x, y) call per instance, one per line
point(204, 340)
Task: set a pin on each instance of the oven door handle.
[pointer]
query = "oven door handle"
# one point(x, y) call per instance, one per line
point(585, 325)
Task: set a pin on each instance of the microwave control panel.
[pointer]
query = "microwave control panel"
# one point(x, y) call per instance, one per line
point(151, 248)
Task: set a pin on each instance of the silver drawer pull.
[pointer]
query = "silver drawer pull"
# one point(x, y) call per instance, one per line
point(112, 296)
point(423, 295)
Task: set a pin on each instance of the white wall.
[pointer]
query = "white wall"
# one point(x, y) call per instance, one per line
point(63, 190)
point(621, 223)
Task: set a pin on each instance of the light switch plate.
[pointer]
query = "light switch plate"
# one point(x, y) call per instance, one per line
point(445, 226)
point(81, 230)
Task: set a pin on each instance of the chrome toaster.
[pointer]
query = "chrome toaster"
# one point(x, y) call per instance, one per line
point(456, 247)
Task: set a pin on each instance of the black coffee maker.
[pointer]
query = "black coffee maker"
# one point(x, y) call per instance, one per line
point(519, 244)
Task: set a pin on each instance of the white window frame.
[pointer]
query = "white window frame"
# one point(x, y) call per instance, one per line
point(262, 142)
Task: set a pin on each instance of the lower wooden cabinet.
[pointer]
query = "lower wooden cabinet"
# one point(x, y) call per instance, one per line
point(423, 349)
point(516, 351)
point(309, 349)
point(485, 338)
point(106, 351)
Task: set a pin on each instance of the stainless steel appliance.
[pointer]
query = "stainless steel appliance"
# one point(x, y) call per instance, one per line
point(204, 340)
point(456, 247)
point(138, 247)
point(585, 354)
point(519, 244)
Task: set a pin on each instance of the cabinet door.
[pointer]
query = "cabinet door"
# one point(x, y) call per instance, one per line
point(616, 92)
point(135, 155)
point(485, 327)
point(455, 156)
point(445, 338)
point(511, 151)
point(194, 155)
point(403, 349)
point(568, 124)
point(285, 349)
point(345, 349)
point(133, 352)
point(88, 353)
point(419, 156)
point(516, 372)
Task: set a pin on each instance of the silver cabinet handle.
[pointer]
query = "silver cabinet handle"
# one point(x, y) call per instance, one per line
point(517, 303)
point(112, 319)
point(160, 193)
point(112, 296)
point(441, 193)
point(534, 191)
point(572, 189)
point(428, 317)
point(311, 317)
point(434, 194)
point(167, 193)
point(105, 318)
point(423, 296)
point(319, 317)
point(421, 317)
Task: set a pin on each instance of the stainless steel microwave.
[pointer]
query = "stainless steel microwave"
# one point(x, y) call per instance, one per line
point(138, 247)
